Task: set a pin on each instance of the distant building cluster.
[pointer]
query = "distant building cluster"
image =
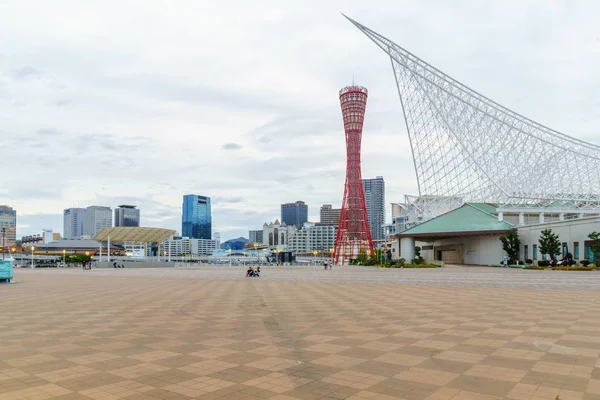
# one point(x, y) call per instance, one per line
point(88, 222)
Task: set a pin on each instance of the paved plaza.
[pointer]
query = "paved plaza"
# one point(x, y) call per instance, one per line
point(300, 333)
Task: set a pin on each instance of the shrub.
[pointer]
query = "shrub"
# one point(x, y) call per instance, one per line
point(417, 260)
point(584, 262)
point(543, 263)
point(572, 269)
point(528, 261)
point(537, 267)
point(421, 266)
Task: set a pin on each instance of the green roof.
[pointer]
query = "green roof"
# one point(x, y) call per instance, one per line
point(470, 217)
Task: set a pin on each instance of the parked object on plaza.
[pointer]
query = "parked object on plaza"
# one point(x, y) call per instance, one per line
point(6, 270)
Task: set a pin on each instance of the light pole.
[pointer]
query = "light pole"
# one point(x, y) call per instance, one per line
point(64, 257)
point(32, 251)
point(3, 240)
point(256, 251)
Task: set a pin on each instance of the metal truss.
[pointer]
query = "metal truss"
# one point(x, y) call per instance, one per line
point(467, 146)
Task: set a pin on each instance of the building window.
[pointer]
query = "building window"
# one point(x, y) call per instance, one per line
point(576, 250)
point(565, 249)
point(535, 256)
point(526, 251)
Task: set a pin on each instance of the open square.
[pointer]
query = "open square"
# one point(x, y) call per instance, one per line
point(300, 333)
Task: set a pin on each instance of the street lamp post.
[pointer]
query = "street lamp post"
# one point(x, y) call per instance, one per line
point(32, 251)
point(256, 251)
point(3, 240)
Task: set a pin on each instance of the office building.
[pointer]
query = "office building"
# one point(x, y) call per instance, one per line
point(329, 215)
point(375, 201)
point(127, 216)
point(196, 221)
point(8, 226)
point(182, 246)
point(294, 214)
point(313, 237)
point(96, 219)
point(73, 221)
point(255, 236)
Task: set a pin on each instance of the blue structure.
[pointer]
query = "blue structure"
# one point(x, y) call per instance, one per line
point(294, 213)
point(234, 244)
point(6, 270)
point(196, 221)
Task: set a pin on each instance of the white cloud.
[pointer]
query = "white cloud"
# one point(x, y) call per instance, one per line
point(149, 100)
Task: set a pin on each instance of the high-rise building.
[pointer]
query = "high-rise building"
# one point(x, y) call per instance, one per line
point(8, 227)
point(375, 201)
point(73, 221)
point(330, 215)
point(313, 237)
point(196, 221)
point(255, 236)
point(353, 235)
point(127, 216)
point(294, 214)
point(96, 219)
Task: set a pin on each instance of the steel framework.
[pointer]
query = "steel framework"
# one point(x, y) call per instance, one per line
point(465, 145)
point(354, 234)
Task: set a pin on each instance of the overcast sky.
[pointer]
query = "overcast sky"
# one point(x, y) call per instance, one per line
point(140, 102)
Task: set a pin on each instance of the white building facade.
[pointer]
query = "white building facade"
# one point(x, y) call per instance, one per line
point(182, 246)
point(572, 233)
point(277, 234)
point(313, 237)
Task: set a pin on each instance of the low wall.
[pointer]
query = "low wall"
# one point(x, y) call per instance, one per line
point(135, 264)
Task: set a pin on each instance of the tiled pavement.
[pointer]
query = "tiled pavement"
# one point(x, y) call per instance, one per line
point(300, 334)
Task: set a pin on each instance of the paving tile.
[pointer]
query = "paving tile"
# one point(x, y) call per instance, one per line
point(352, 333)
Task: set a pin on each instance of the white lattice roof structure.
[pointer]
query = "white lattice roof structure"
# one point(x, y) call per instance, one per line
point(467, 146)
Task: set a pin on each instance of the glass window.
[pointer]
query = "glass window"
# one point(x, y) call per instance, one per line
point(535, 256)
point(526, 251)
point(565, 249)
point(576, 250)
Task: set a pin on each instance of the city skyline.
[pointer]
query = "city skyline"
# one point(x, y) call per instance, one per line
point(157, 112)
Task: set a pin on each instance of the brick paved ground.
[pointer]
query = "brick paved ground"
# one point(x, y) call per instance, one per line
point(452, 333)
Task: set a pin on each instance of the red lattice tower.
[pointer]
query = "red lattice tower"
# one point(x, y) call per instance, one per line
point(353, 235)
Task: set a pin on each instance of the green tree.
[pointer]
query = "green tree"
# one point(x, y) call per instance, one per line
point(549, 243)
point(362, 258)
point(595, 236)
point(417, 251)
point(511, 244)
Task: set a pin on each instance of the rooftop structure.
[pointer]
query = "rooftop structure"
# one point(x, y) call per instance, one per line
point(467, 146)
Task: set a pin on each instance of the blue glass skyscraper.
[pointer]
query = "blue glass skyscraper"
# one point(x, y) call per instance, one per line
point(294, 213)
point(196, 221)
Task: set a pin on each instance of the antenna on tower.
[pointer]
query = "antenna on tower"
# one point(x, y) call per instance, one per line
point(353, 79)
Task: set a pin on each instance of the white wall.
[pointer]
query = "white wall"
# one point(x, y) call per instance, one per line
point(569, 231)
